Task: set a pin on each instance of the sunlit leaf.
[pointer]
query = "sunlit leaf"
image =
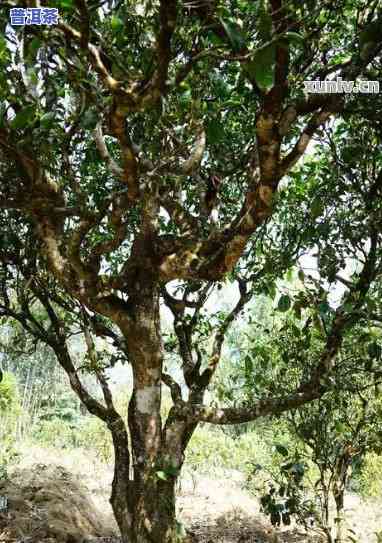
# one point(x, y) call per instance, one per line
point(262, 67)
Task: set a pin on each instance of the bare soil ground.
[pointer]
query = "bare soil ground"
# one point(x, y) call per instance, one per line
point(67, 502)
point(220, 510)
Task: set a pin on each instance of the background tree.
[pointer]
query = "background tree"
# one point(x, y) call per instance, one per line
point(9, 410)
point(36, 370)
point(142, 146)
point(344, 424)
point(329, 439)
point(340, 436)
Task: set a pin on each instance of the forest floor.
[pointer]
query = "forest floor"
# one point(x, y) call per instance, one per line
point(61, 497)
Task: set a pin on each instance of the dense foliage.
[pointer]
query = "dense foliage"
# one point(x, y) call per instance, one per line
point(152, 152)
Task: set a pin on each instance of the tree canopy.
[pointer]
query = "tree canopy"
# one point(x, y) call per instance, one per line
point(152, 151)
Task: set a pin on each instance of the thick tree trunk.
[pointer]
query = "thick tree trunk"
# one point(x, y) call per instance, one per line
point(151, 495)
point(145, 507)
point(154, 518)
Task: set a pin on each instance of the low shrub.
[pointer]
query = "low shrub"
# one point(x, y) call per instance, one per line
point(56, 433)
point(370, 477)
point(93, 433)
point(210, 448)
point(10, 410)
point(9, 395)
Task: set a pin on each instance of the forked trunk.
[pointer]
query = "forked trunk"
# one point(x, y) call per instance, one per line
point(145, 506)
point(153, 518)
point(150, 513)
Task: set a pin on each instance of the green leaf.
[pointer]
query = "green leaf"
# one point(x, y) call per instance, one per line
point(316, 208)
point(3, 44)
point(234, 33)
point(374, 350)
point(66, 3)
point(297, 309)
point(47, 120)
point(294, 37)
point(32, 75)
point(89, 119)
point(295, 331)
point(270, 290)
point(323, 308)
point(4, 51)
point(289, 275)
point(116, 23)
point(34, 46)
point(340, 428)
point(215, 131)
point(284, 303)
point(185, 97)
point(24, 117)
point(180, 530)
point(213, 38)
point(248, 365)
point(368, 364)
point(285, 356)
point(262, 67)
point(162, 475)
point(281, 449)
point(265, 24)
point(298, 469)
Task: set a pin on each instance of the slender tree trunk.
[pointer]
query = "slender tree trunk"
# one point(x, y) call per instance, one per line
point(339, 498)
point(338, 493)
point(327, 526)
point(121, 495)
point(325, 513)
point(339, 484)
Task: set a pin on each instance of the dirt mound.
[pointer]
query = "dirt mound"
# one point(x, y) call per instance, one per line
point(47, 504)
